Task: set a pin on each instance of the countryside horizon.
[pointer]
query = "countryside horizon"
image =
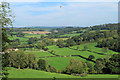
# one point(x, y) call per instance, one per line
point(75, 40)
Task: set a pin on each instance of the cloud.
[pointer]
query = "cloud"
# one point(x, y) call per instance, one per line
point(73, 13)
point(61, 0)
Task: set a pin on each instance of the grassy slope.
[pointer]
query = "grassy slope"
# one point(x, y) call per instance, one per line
point(60, 62)
point(92, 47)
point(28, 73)
point(40, 54)
point(33, 35)
point(67, 51)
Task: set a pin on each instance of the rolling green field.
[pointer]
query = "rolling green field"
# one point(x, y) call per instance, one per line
point(71, 35)
point(61, 62)
point(40, 53)
point(32, 35)
point(67, 51)
point(92, 47)
point(22, 39)
point(29, 73)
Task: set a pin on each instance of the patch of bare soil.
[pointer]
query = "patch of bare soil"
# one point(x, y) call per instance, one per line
point(36, 32)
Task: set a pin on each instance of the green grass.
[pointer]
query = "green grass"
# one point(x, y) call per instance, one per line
point(60, 62)
point(71, 35)
point(33, 35)
point(55, 39)
point(29, 73)
point(92, 47)
point(40, 54)
point(22, 40)
point(67, 51)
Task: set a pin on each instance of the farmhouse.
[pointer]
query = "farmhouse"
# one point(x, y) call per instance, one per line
point(11, 50)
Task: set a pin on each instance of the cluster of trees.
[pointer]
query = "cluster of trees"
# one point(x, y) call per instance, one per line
point(20, 60)
point(6, 19)
point(23, 60)
point(66, 30)
point(79, 67)
point(108, 66)
point(102, 66)
point(111, 43)
point(88, 37)
point(105, 27)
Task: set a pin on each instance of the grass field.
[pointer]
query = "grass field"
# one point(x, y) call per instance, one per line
point(55, 39)
point(67, 51)
point(92, 47)
point(22, 40)
point(32, 35)
point(71, 35)
point(29, 73)
point(61, 62)
point(40, 53)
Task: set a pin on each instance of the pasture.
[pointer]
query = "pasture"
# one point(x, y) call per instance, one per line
point(29, 73)
point(67, 52)
point(92, 47)
point(60, 63)
point(40, 53)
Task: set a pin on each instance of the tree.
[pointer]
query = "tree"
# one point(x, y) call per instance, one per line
point(70, 42)
point(90, 67)
point(42, 65)
point(51, 68)
point(76, 66)
point(5, 20)
point(20, 59)
point(91, 57)
point(31, 61)
point(99, 65)
point(113, 64)
point(60, 43)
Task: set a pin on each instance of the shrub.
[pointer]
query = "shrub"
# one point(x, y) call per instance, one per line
point(76, 66)
point(91, 57)
point(42, 64)
point(51, 69)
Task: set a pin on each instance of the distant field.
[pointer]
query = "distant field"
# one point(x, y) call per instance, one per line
point(71, 35)
point(33, 35)
point(40, 53)
point(22, 40)
point(55, 39)
point(36, 32)
point(29, 73)
point(67, 51)
point(92, 47)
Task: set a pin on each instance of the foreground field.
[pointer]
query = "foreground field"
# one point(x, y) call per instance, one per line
point(60, 63)
point(28, 73)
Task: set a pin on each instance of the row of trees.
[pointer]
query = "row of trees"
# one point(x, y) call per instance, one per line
point(111, 43)
point(102, 66)
point(23, 60)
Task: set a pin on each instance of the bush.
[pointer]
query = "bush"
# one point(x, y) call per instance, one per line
point(51, 69)
point(76, 66)
point(91, 57)
point(42, 64)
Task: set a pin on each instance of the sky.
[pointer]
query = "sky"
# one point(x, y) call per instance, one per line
point(82, 14)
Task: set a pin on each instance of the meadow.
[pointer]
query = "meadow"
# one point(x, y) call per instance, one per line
point(61, 61)
point(29, 73)
point(40, 53)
